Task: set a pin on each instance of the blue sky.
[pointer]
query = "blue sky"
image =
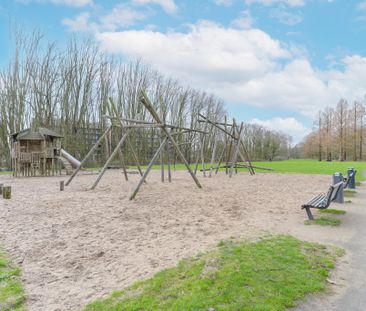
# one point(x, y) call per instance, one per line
point(274, 62)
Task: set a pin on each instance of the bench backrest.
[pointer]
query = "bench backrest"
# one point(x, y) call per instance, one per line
point(348, 179)
point(346, 182)
point(332, 193)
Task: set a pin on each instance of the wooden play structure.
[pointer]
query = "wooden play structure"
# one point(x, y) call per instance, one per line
point(124, 127)
point(39, 153)
point(233, 150)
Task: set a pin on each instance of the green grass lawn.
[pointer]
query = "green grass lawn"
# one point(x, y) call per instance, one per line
point(315, 167)
point(300, 166)
point(289, 166)
point(11, 289)
point(272, 273)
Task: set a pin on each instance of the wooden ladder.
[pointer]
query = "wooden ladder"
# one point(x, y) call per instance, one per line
point(67, 166)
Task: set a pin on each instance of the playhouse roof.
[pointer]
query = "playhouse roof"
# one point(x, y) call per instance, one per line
point(40, 134)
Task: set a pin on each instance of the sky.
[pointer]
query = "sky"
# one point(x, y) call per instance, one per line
point(273, 62)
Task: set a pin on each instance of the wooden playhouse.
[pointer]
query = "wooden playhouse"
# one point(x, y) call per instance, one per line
point(36, 153)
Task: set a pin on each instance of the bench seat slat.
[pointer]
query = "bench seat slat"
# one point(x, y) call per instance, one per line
point(313, 199)
point(316, 202)
point(320, 202)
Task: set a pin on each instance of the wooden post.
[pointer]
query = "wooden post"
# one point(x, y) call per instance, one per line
point(123, 164)
point(236, 151)
point(134, 155)
point(162, 168)
point(62, 185)
point(220, 160)
point(112, 108)
point(7, 192)
point(88, 155)
point(203, 148)
point(229, 152)
point(133, 195)
point(1, 189)
point(119, 145)
point(201, 153)
point(53, 165)
point(161, 140)
point(226, 143)
point(213, 155)
point(234, 137)
point(246, 157)
point(169, 164)
point(145, 101)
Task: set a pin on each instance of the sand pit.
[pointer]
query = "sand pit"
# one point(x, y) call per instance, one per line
point(78, 245)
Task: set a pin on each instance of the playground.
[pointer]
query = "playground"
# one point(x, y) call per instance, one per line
point(79, 242)
point(79, 245)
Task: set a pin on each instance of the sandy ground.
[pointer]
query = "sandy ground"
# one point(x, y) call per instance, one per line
point(79, 245)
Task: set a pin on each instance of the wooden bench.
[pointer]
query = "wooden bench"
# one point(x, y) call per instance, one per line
point(322, 201)
point(346, 180)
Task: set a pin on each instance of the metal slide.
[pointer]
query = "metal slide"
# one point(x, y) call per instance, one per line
point(68, 161)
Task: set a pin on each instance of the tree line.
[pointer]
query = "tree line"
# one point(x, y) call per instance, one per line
point(67, 90)
point(338, 133)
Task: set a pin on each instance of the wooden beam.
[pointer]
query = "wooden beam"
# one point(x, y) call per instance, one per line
point(115, 151)
point(147, 171)
point(213, 155)
point(146, 102)
point(134, 155)
point(217, 126)
point(236, 150)
point(91, 151)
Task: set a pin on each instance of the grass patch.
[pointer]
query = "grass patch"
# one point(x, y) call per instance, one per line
point(350, 190)
point(11, 290)
point(270, 274)
point(349, 193)
point(299, 166)
point(332, 211)
point(324, 221)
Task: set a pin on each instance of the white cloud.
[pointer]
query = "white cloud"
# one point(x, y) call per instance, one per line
point(79, 24)
point(207, 53)
point(226, 3)
point(361, 6)
point(244, 21)
point(72, 3)
point(120, 16)
point(168, 6)
point(291, 3)
point(286, 17)
point(289, 126)
point(242, 66)
point(76, 3)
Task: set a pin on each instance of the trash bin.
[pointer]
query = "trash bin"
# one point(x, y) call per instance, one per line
point(338, 177)
point(352, 181)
